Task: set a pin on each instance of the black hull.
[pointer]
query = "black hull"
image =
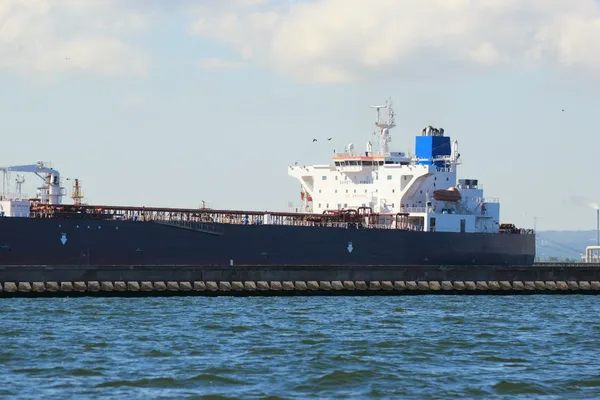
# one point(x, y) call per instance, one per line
point(38, 242)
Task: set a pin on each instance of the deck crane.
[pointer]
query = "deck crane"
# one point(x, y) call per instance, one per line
point(50, 192)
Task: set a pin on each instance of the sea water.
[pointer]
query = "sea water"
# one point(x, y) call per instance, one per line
point(301, 347)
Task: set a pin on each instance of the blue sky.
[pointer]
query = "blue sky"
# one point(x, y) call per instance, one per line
point(172, 103)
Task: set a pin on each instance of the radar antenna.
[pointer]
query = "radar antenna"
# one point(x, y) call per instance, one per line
point(382, 122)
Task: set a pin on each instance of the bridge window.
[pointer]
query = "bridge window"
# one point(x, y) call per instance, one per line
point(336, 177)
point(336, 190)
point(319, 205)
point(324, 177)
point(389, 177)
point(393, 190)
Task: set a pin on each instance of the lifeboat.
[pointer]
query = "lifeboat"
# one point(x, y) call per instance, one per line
point(451, 194)
point(302, 195)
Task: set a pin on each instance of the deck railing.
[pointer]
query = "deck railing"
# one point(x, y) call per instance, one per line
point(209, 220)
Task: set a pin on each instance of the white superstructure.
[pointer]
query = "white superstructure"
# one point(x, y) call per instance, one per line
point(422, 187)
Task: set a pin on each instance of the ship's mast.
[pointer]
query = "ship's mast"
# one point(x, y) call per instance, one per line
point(385, 123)
point(77, 195)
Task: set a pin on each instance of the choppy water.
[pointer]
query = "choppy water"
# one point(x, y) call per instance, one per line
point(317, 347)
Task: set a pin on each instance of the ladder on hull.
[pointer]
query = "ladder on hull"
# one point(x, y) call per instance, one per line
point(194, 226)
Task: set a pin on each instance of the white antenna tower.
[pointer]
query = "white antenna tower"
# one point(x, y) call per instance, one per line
point(385, 123)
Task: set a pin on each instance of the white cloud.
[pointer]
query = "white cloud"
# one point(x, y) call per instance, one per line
point(312, 40)
point(345, 40)
point(51, 36)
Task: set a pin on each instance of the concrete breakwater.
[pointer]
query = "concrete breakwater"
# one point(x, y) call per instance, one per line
point(107, 288)
point(51, 281)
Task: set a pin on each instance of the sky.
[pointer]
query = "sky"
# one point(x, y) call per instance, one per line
point(171, 103)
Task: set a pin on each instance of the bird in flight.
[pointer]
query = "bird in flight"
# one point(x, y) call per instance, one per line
point(314, 140)
point(328, 138)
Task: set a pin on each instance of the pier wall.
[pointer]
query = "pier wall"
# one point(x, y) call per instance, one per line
point(296, 280)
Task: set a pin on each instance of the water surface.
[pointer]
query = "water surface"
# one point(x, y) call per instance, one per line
point(301, 347)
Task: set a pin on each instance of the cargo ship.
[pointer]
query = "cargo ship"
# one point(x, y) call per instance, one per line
point(371, 207)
